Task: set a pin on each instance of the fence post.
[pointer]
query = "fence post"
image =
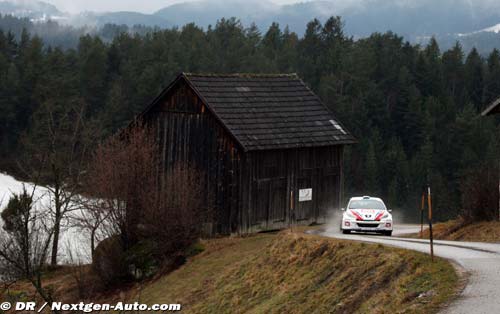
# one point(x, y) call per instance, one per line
point(429, 201)
point(292, 210)
point(422, 207)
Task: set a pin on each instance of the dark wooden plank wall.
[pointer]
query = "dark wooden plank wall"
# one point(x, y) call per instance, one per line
point(274, 181)
point(189, 134)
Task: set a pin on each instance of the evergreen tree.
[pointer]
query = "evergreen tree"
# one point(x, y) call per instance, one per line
point(371, 171)
point(434, 71)
point(474, 77)
point(492, 80)
point(334, 44)
point(287, 59)
point(453, 72)
point(309, 50)
point(272, 45)
point(93, 72)
point(17, 207)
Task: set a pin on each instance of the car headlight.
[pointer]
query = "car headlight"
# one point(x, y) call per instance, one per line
point(386, 215)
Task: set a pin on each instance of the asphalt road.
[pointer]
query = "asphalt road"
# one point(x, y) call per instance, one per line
point(480, 260)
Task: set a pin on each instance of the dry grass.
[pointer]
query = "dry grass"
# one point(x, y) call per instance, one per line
point(458, 230)
point(64, 288)
point(298, 273)
point(60, 282)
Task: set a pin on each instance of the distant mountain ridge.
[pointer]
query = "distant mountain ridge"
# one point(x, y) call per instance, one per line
point(417, 20)
point(409, 18)
point(120, 18)
point(35, 10)
point(39, 11)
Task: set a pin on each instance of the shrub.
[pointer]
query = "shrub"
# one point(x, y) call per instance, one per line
point(140, 259)
point(480, 194)
point(154, 213)
point(109, 262)
point(18, 206)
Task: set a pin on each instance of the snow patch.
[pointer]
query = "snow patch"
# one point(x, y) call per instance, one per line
point(72, 238)
point(493, 29)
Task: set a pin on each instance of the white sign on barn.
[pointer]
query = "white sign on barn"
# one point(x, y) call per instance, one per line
point(305, 195)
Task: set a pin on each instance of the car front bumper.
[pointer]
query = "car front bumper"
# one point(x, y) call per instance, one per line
point(367, 226)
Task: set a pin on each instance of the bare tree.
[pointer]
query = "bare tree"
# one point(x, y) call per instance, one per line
point(56, 147)
point(141, 200)
point(91, 217)
point(122, 174)
point(480, 193)
point(24, 242)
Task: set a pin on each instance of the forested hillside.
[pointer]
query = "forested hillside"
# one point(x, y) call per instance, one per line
point(415, 110)
point(65, 36)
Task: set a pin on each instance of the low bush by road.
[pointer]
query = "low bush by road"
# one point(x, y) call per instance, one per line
point(459, 230)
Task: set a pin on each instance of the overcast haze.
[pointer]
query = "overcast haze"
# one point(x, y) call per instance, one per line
point(150, 6)
point(146, 6)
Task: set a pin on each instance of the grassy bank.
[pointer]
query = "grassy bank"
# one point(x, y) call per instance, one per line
point(457, 230)
point(297, 273)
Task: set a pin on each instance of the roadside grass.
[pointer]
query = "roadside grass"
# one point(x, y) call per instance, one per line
point(458, 230)
point(286, 272)
point(58, 281)
point(297, 273)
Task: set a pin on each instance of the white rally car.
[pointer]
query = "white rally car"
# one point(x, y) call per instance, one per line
point(366, 214)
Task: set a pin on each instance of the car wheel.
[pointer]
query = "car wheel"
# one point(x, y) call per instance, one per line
point(346, 231)
point(388, 233)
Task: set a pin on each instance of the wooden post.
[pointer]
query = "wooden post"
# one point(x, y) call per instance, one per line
point(422, 207)
point(292, 210)
point(429, 201)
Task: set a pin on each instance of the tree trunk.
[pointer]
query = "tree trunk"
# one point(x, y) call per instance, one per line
point(55, 243)
point(92, 241)
point(57, 226)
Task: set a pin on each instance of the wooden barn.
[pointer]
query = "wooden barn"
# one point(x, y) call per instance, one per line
point(494, 109)
point(270, 150)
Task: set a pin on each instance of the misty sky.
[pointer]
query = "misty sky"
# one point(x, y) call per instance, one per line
point(150, 6)
point(145, 6)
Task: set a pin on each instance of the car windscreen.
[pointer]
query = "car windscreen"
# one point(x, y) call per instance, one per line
point(366, 204)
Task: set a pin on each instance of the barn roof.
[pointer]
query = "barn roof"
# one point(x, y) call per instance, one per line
point(269, 111)
point(492, 109)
